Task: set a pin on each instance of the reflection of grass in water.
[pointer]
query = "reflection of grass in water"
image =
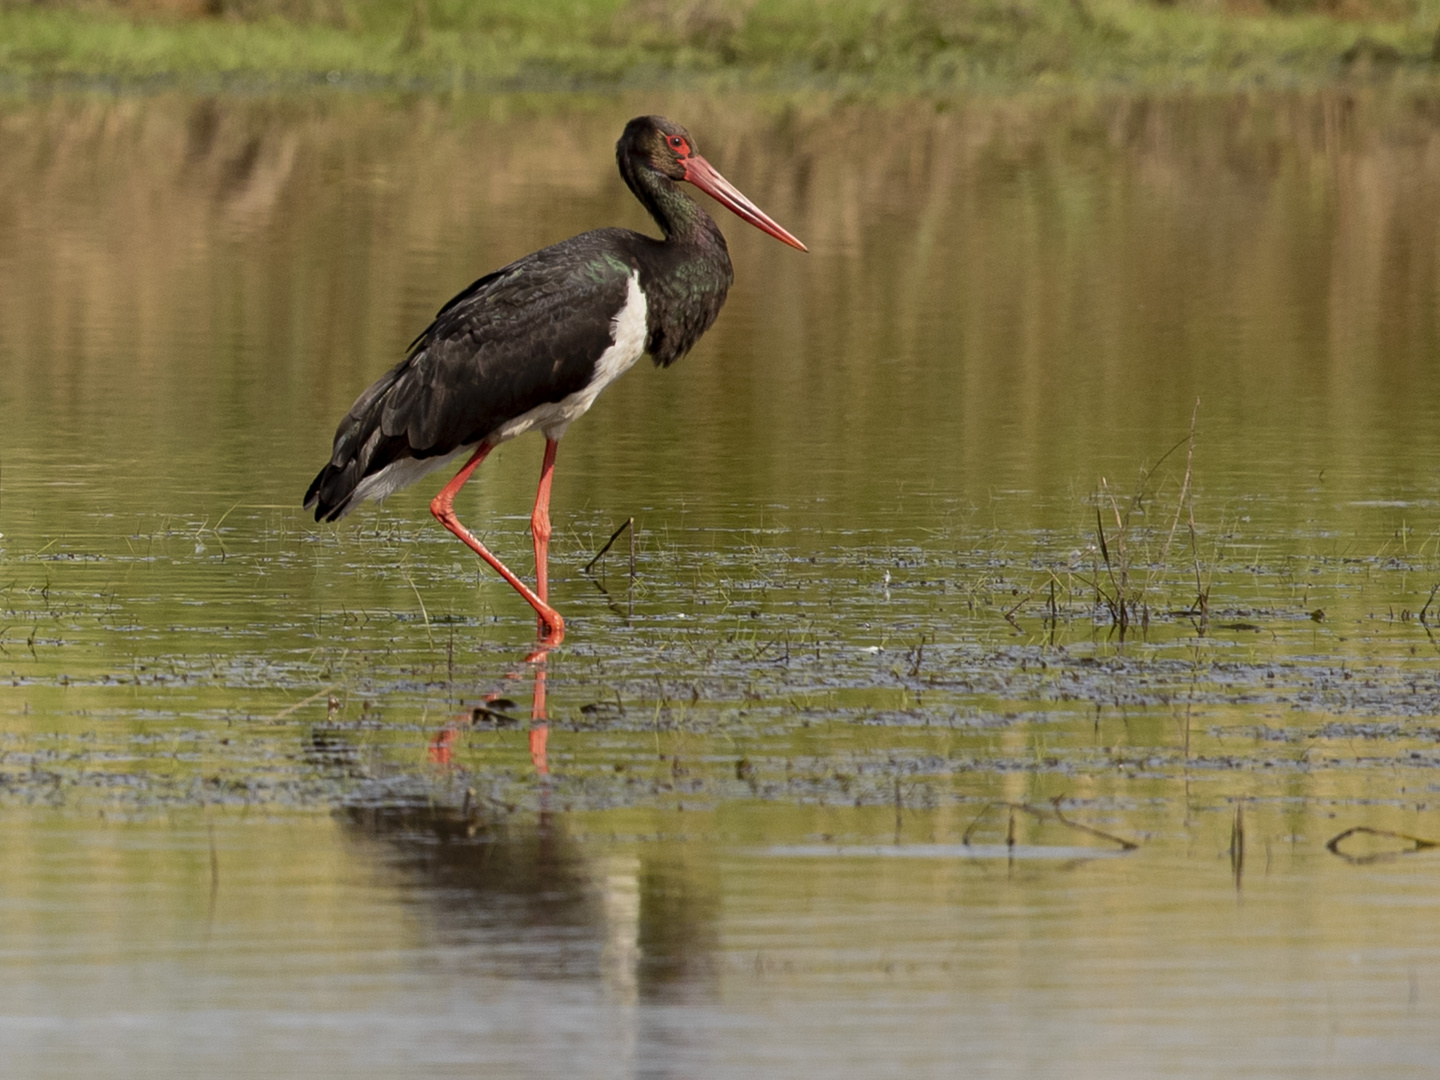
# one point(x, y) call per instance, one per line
point(914, 44)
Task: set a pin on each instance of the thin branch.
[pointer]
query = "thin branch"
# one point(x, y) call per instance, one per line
point(629, 523)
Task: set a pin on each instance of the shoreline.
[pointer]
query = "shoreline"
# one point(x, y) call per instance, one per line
point(1120, 48)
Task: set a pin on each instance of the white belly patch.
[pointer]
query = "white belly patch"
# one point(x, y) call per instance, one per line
point(628, 336)
point(627, 330)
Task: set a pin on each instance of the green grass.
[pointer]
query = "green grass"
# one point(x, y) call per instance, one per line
point(889, 44)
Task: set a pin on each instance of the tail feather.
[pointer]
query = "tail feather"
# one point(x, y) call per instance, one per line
point(372, 468)
point(332, 493)
point(361, 450)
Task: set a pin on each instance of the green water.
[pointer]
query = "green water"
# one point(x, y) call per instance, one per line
point(887, 515)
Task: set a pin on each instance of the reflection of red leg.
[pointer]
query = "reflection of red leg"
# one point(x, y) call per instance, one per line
point(539, 730)
point(552, 627)
point(540, 527)
point(442, 746)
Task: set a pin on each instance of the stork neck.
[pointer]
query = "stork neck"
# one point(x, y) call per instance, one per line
point(680, 217)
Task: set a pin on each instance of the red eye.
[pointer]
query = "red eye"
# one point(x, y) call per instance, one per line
point(678, 144)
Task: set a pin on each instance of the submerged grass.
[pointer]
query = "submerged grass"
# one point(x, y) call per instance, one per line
point(903, 45)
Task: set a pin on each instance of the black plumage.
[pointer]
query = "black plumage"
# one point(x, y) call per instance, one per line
point(531, 335)
point(506, 345)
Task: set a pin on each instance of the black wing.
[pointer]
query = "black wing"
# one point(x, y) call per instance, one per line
point(527, 335)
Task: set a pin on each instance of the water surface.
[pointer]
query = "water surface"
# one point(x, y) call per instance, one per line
point(793, 809)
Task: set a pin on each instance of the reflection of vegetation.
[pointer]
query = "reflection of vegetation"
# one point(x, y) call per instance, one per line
point(1393, 845)
point(911, 43)
point(1051, 813)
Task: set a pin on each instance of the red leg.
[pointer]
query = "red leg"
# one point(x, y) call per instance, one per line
point(552, 627)
point(540, 527)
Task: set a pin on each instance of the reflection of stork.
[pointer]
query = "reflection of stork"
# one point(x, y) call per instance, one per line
point(533, 344)
point(640, 925)
point(521, 903)
point(471, 862)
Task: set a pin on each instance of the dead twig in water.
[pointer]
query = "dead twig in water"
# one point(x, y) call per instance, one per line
point(1237, 844)
point(214, 861)
point(628, 523)
point(970, 831)
point(1429, 600)
point(1043, 814)
point(1125, 845)
point(899, 811)
point(1417, 844)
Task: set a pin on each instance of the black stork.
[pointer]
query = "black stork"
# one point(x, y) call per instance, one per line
point(533, 344)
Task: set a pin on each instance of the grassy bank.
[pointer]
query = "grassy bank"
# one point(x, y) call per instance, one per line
point(900, 44)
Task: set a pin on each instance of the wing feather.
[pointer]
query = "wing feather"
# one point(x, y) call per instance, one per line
point(524, 336)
